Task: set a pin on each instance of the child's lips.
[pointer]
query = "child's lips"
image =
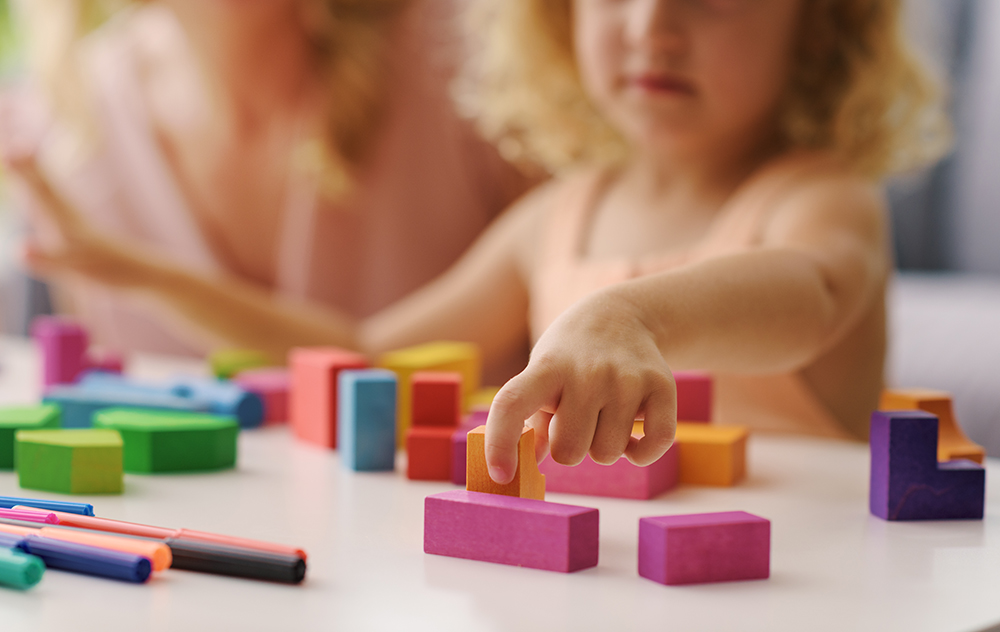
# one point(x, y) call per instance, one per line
point(661, 84)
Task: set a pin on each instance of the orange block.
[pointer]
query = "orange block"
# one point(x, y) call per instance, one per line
point(428, 453)
point(952, 442)
point(437, 398)
point(528, 481)
point(711, 455)
point(312, 399)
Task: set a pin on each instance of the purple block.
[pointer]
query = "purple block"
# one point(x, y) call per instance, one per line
point(510, 530)
point(702, 548)
point(460, 443)
point(63, 346)
point(621, 479)
point(908, 483)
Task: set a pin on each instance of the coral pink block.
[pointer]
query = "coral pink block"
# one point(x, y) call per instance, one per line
point(272, 385)
point(62, 344)
point(312, 403)
point(701, 548)
point(510, 530)
point(619, 480)
point(437, 398)
point(694, 396)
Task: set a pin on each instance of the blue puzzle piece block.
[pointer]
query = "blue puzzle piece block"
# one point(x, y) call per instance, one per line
point(908, 483)
point(78, 403)
point(366, 428)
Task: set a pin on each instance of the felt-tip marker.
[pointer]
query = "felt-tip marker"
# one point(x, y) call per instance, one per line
point(19, 569)
point(83, 509)
point(80, 558)
point(219, 559)
point(157, 552)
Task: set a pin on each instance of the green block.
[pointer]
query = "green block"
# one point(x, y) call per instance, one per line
point(165, 441)
point(76, 461)
point(228, 362)
point(17, 418)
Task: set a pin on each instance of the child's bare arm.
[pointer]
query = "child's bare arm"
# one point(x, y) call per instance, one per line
point(823, 261)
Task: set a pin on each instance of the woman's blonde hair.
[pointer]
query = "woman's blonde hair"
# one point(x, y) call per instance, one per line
point(855, 88)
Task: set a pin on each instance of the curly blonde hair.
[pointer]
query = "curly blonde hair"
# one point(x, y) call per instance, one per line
point(855, 88)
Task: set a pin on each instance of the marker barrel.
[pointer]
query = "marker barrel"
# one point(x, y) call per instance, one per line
point(19, 569)
point(89, 560)
point(218, 559)
point(83, 509)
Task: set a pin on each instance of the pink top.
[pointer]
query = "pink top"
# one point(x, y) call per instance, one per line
point(430, 189)
point(783, 402)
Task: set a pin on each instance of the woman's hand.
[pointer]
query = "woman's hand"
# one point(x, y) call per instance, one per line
point(591, 374)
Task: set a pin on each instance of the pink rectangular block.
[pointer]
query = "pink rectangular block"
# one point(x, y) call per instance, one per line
point(272, 385)
point(312, 404)
point(619, 480)
point(509, 530)
point(694, 396)
point(460, 445)
point(62, 344)
point(701, 548)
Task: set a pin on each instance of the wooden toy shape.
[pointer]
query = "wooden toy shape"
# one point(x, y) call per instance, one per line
point(226, 363)
point(79, 403)
point(457, 357)
point(70, 461)
point(312, 405)
point(621, 479)
point(271, 384)
point(16, 418)
point(694, 396)
point(908, 482)
point(952, 442)
point(428, 453)
point(709, 454)
point(528, 481)
point(460, 444)
point(514, 531)
point(482, 399)
point(701, 548)
point(172, 442)
point(367, 414)
point(63, 344)
point(436, 398)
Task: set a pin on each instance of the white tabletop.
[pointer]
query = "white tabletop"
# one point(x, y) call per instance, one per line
point(833, 566)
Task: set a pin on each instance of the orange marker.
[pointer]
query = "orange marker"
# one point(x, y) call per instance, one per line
point(157, 552)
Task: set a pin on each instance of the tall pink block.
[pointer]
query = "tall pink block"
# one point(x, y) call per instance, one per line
point(694, 396)
point(272, 385)
point(618, 480)
point(702, 548)
point(312, 404)
point(510, 530)
point(63, 345)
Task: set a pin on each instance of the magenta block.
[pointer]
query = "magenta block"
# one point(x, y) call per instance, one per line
point(510, 530)
point(694, 396)
point(271, 384)
point(702, 548)
point(62, 344)
point(460, 444)
point(618, 480)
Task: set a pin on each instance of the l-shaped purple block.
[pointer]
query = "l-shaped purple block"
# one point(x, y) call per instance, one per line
point(908, 483)
point(621, 479)
point(702, 548)
point(460, 443)
point(510, 530)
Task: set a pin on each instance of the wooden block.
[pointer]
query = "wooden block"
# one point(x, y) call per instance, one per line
point(483, 398)
point(908, 482)
point(155, 441)
point(226, 363)
point(436, 398)
point(428, 453)
point(460, 444)
point(367, 414)
point(62, 343)
point(701, 548)
point(78, 403)
point(313, 399)
point(70, 461)
point(457, 357)
point(710, 455)
point(514, 531)
point(622, 479)
point(952, 442)
point(528, 481)
point(14, 418)
point(694, 396)
point(271, 385)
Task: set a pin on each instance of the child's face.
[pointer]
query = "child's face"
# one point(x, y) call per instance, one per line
point(678, 76)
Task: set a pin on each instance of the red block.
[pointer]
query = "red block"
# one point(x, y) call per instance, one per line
point(312, 405)
point(428, 453)
point(694, 396)
point(437, 398)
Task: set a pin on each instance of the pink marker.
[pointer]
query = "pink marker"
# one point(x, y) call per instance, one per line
point(29, 516)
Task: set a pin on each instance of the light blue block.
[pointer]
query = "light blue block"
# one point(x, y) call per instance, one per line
point(78, 403)
point(366, 419)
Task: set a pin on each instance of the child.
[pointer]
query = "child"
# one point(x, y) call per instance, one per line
point(716, 208)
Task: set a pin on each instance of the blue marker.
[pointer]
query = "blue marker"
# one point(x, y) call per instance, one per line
point(83, 509)
point(81, 558)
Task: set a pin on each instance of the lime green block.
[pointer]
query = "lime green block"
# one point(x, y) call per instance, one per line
point(228, 362)
point(77, 461)
point(164, 441)
point(17, 418)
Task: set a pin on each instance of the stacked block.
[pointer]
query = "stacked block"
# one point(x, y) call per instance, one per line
point(482, 399)
point(271, 385)
point(63, 345)
point(621, 479)
point(436, 403)
point(226, 363)
point(172, 442)
point(701, 548)
point(709, 454)
point(458, 357)
point(70, 461)
point(313, 402)
point(428, 453)
point(528, 481)
point(17, 418)
point(694, 396)
point(952, 442)
point(367, 419)
point(507, 530)
point(908, 482)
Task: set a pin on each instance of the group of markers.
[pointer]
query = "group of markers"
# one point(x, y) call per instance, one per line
point(40, 534)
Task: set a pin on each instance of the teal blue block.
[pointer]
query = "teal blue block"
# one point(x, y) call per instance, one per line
point(79, 403)
point(366, 419)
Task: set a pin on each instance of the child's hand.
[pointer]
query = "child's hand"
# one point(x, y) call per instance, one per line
point(591, 374)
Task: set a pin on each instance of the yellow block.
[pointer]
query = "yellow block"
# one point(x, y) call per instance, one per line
point(528, 481)
point(483, 398)
point(457, 357)
point(952, 442)
point(711, 455)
